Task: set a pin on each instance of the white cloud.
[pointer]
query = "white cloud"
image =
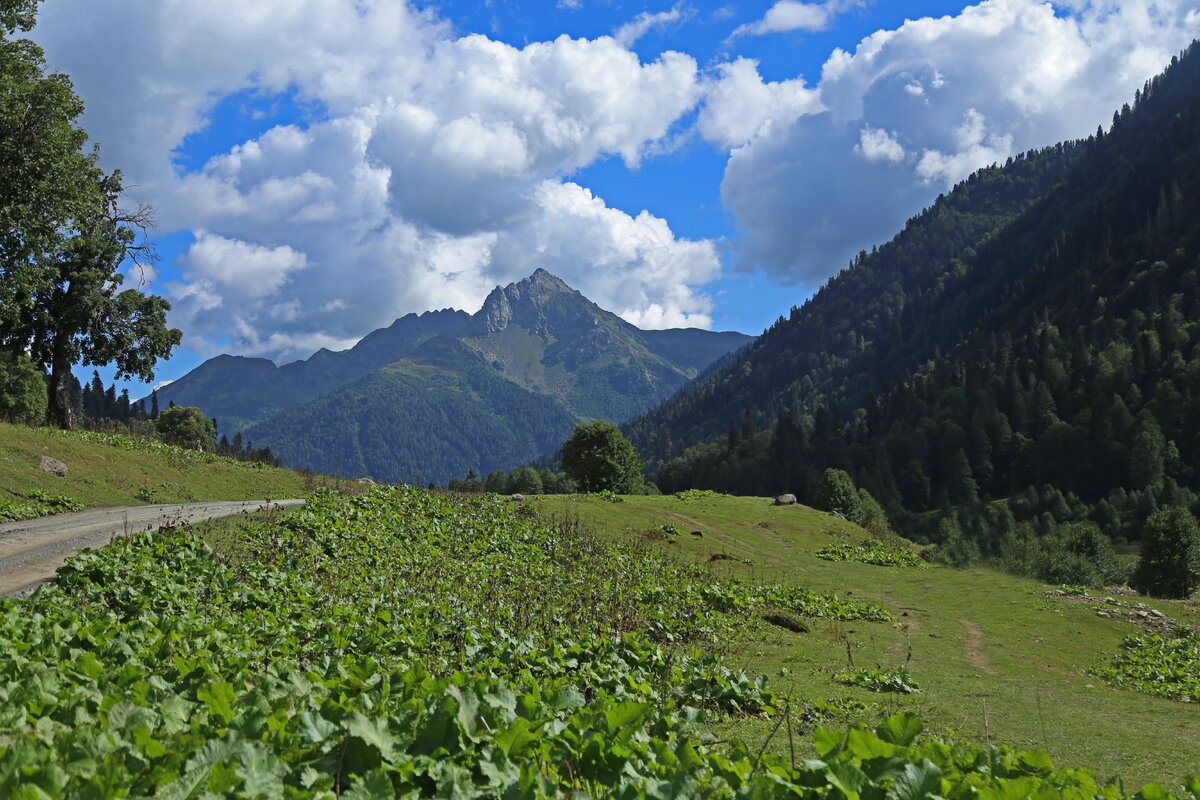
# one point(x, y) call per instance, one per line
point(645, 22)
point(739, 105)
point(634, 266)
point(875, 144)
point(430, 163)
point(792, 15)
point(975, 148)
point(435, 167)
point(913, 110)
point(248, 269)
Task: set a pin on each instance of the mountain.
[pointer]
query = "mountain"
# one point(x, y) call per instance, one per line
point(435, 395)
point(1025, 355)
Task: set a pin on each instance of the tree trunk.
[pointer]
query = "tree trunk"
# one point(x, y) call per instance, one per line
point(58, 412)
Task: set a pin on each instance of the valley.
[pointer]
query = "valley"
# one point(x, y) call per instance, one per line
point(933, 534)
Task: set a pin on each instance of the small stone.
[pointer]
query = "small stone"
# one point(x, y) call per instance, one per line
point(54, 466)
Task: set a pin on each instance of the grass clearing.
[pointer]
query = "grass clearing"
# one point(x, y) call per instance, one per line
point(118, 469)
point(995, 658)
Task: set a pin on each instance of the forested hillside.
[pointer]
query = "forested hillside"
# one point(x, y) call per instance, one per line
point(441, 413)
point(1033, 335)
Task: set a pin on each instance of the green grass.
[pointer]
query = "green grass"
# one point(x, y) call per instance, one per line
point(109, 470)
point(981, 644)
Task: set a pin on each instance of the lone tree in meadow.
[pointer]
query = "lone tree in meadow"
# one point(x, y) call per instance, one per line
point(599, 458)
point(836, 493)
point(63, 235)
point(1169, 565)
point(186, 426)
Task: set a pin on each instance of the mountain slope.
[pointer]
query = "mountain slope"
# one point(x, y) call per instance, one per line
point(826, 352)
point(537, 347)
point(423, 419)
point(240, 391)
point(1052, 359)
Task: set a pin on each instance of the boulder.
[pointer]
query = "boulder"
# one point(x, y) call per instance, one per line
point(518, 497)
point(785, 500)
point(54, 466)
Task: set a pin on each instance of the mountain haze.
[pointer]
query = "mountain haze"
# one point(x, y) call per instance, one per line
point(437, 394)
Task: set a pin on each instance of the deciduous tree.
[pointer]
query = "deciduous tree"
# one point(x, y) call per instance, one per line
point(63, 234)
point(186, 426)
point(599, 458)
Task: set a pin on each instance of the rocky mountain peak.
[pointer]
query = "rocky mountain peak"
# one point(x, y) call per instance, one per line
point(532, 303)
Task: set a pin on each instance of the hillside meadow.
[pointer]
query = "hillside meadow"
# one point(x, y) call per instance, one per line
point(398, 642)
point(110, 469)
point(996, 658)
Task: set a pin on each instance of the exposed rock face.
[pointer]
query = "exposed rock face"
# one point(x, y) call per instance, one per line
point(54, 466)
point(496, 312)
point(533, 303)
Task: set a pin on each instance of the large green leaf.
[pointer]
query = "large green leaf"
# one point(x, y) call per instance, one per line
point(900, 729)
point(916, 782)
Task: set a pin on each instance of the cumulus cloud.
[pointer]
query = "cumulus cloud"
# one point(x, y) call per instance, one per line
point(975, 147)
point(739, 105)
point(432, 162)
point(879, 145)
point(248, 269)
point(911, 111)
point(636, 266)
point(434, 166)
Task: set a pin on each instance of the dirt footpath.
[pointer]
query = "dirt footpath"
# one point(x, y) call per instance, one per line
point(30, 551)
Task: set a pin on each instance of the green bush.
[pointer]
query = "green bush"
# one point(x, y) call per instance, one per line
point(186, 426)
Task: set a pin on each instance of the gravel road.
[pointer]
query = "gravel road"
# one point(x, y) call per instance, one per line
point(30, 551)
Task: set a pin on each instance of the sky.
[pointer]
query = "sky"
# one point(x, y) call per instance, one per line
point(322, 167)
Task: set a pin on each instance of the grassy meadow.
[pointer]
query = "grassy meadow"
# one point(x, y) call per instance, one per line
point(995, 658)
point(110, 469)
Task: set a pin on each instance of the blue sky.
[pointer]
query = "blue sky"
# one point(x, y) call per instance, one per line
point(321, 168)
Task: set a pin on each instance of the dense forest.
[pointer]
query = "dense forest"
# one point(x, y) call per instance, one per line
point(1026, 350)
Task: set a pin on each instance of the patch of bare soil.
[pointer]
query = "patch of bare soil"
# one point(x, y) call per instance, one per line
point(974, 644)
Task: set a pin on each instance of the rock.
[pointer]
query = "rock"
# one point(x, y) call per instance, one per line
point(785, 500)
point(367, 482)
point(54, 466)
point(518, 497)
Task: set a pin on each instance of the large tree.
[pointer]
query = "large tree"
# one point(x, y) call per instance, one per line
point(599, 458)
point(1169, 565)
point(63, 235)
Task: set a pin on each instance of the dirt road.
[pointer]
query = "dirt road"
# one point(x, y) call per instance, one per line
point(32, 550)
